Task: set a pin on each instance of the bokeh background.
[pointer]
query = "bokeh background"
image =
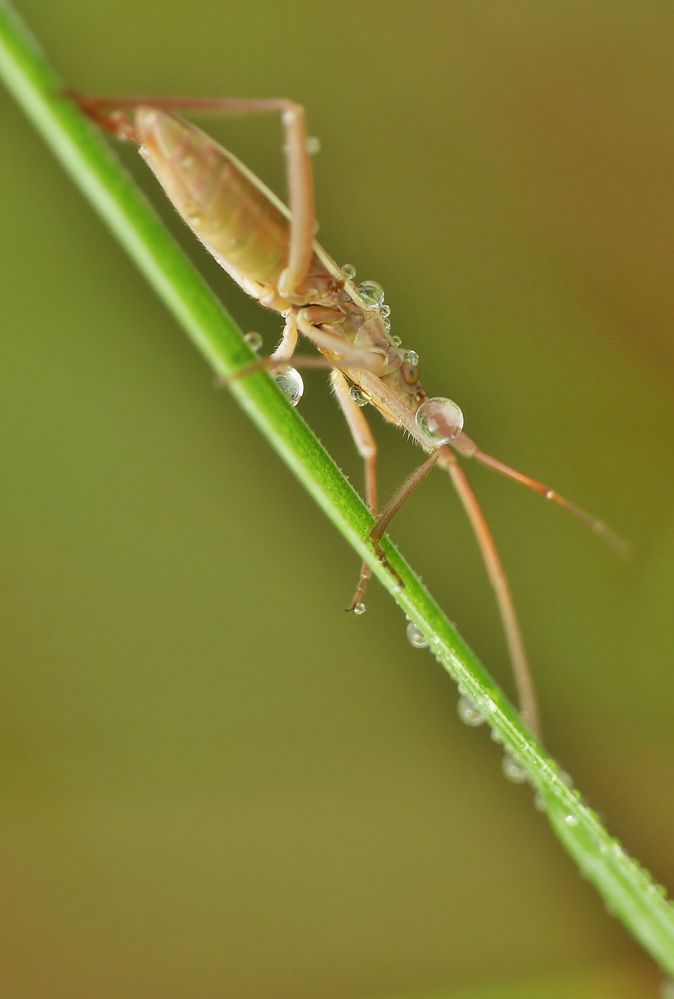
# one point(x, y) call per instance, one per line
point(212, 781)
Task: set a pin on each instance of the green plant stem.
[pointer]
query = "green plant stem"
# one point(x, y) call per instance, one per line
point(626, 887)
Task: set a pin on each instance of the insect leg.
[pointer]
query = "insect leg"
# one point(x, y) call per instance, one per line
point(288, 344)
point(366, 446)
point(499, 581)
point(298, 159)
point(353, 357)
point(393, 506)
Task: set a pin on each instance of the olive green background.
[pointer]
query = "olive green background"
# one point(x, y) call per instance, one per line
point(212, 781)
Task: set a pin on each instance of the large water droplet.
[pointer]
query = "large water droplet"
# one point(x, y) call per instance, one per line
point(254, 341)
point(512, 771)
point(349, 271)
point(439, 420)
point(469, 713)
point(415, 637)
point(412, 358)
point(372, 294)
point(358, 396)
point(290, 382)
point(359, 608)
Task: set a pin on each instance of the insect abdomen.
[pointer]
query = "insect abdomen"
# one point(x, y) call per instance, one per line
point(231, 215)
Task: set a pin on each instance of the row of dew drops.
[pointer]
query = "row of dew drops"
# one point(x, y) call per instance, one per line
point(372, 294)
point(474, 713)
point(440, 420)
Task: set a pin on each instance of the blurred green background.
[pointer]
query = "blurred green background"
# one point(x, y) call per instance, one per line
point(212, 781)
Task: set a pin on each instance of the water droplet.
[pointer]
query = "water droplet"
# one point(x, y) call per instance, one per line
point(385, 311)
point(372, 294)
point(254, 341)
point(468, 712)
point(415, 637)
point(359, 609)
point(395, 340)
point(486, 704)
point(412, 357)
point(313, 145)
point(290, 382)
point(570, 820)
point(358, 396)
point(387, 325)
point(512, 771)
point(439, 420)
point(349, 271)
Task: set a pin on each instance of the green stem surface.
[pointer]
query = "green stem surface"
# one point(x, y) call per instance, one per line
point(628, 890)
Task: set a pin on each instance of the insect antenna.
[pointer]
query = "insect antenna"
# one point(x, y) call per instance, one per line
point(469, 449)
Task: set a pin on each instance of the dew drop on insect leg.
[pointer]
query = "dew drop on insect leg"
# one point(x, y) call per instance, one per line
point(439, 420)
point(395, 340)
point(359, 609)
point(349, 271)
point(469, 713)
point(415, 637)
point(290, 382)
point(372, 294)
point(412, 358)
point(358, 396)
point(512, 771)
point(254, 341)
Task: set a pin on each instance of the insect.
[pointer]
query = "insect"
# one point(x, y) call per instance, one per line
point(271, 252)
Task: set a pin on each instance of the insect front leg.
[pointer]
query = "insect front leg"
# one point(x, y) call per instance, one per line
point(499, 581)
point(367, 448)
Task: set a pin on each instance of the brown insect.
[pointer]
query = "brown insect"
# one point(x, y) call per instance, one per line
point(270, 251)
